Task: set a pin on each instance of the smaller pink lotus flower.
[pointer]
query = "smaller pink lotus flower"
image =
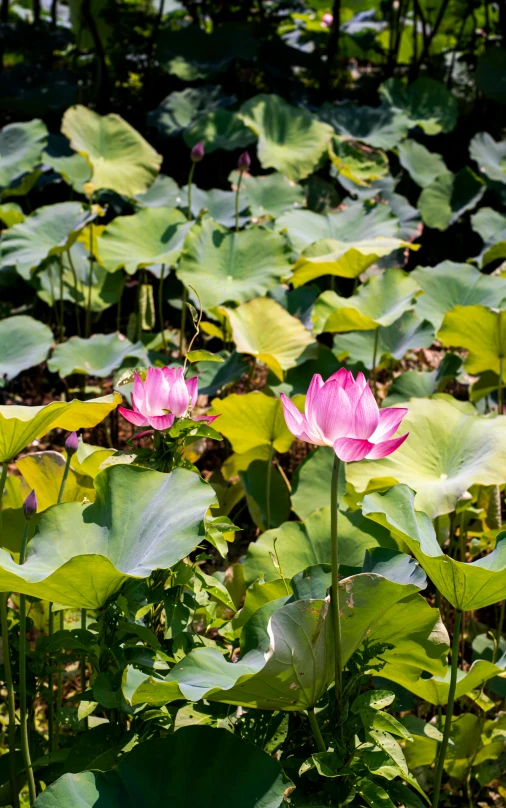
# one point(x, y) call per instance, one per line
point(163, 396)
point(343, 413)
point(327, 20)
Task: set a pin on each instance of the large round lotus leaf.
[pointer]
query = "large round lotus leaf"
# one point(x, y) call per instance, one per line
point(345, 259)
point(82, 554)
point(219, 129)
point(300, 545)
point(447, 452)
point(408, 333)
point(449, 284)
point(73, 167)
point(48, 231)
point(122, 160)
point(491, 225)
point(379, 127)
point(381, 300)
point(353, 223)
point(311, 482)
point(422, 165)
point(181, 108)
point(264, 329)
point(19, 425)
point(297, 663)
point(489, 155)
point(21, 147)
point(357, 163)
point(151, 236)
point(290, 139)
point(219, 204)
point(416, 384)
point(191, 54)
point(227, 266)
point(270, 194)
point(43, 473)
point(252, 420)
point(25, 343)
point(481, 331)
point(164, 193)
point(156, 773)
point(449, 196)
point(426, 103)
point(467, 586)
point(99, 355)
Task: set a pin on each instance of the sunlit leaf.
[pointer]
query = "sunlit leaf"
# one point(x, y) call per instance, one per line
point(408, 333)
point(426, 103)
point(21, 146)
point(489, 155)
point(252, 420)
point(481, 331)
point(356, 162)
point(422, 165)
point(449, 196)
point(99, 355)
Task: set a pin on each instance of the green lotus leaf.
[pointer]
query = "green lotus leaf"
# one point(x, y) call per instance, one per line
point(378, 127)
point(466, 586)
point(21, 146)
point(422, 165)
point(122, 160)
point(303, 544)
point(48, 231)
point(449, 196)
point(43, 473)
point(290, 139)
point(25, 343)
point(151, 236)
point(270, 194)
point(265, 330)
point(408, 333)
point(11, 213)
point(297, 379)
point(99, 355)
point(414, 384)
point(481, 331)
point(227, 266)
point(82, 554)
point(448, 451)
point(20, 425)
point(219, 129)
point(381, 300)
point(345, 259)
point(490, 156)
point(311, 482)
point(155, 772)
point(163, 193)
point(426, 103)
point(253, 481)
point(219, 204)
point(450, 284)
point(73, 167)
point(252, 420)
point(358, 163)
point(191, 54)
point(491, 226)
point(353, 223)
point(181, 108)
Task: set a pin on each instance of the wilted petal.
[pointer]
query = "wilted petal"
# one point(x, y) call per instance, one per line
point(161, 421)
point(366, 415)
point(352, 449)
point(389, 420)
point(192, 385)
point(386, 447)
point(332, 412)
point(135, 418)
point(178, 395)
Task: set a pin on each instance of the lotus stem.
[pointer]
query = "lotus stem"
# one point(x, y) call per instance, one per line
point(90, 285)
point(76, 292)
point(315, 728)
point(59, 679)
point(50, 685)
point(238, 191)
point(449, 709)
point(64, 478)
point(160, 309)
point(336, 611)
point(499, 632)
point(268, 477)
point(62, 308)
point(500, 407)
point(374, 360)
point(11, 702)
point(83, 659)
point(23, 712)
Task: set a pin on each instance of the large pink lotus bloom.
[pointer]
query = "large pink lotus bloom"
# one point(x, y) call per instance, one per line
point(343, 413)
point(163, 396)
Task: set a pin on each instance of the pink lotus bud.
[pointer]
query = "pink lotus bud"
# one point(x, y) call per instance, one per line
point(197, 153)
point(244, 162)
point(30, 505)
point(343, 413)
point(327, 20)
point(71, 443)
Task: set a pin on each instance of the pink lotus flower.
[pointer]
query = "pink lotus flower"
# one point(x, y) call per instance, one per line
point(163, 396)
point(327, 20)
point(343, 413)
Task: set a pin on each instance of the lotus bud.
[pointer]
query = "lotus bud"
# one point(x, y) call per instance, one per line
point(197, 153)
point(71, 443)
point(244, 162)
point(30, 505)
point(327, 20)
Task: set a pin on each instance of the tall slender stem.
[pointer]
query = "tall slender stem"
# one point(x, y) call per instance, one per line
point(499, 632)
point(62, 307)
point(500, 396)
point(59, 683)
point(11, 702)
point(83, 658)
point(76, 291)
point(50, 685)
point(315, 729)
point(190, 181)
point(90, 285)
point(185, 291)
point(237, 201)
point(160, 308)
point(23, 711)
point(336, 611)
point(449, 710)
point(268, 477)
point(64, 478)
point(374, 360)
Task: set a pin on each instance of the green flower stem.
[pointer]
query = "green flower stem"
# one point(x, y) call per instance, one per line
point(59, 683)
point(62, 307)
point(11, 703)
point(50, 712)
point(500, 396)
point(23, 711)
point(239, 181)
point(315, 729)
point(374, 360)
point(449, 710)
point(76, 292)
point(268, 478)
point(336, 611)
point(90, 285)
point(64, 478)
point(185, 290)
point(160, 309)
point(499, 632)
point(83, 659)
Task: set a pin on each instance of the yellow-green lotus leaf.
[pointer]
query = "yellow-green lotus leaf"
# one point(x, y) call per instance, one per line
point(43, 472)
point(253, 420)
point(481, 331)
